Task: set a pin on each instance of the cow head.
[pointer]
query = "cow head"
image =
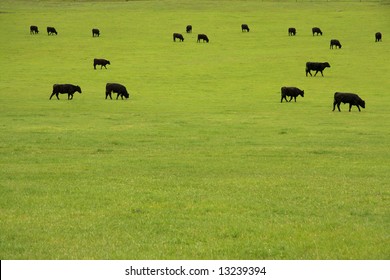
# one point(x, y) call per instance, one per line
point(78, 89)
point(362, 103)
point(302, 93)
point(326, 64)
point(126, 95)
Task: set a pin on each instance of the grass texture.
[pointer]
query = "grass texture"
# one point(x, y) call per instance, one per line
point(202, 161)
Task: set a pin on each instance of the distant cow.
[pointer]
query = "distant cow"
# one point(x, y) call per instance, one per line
point(178, 36)
point(336, 43)
point(100, 61)
point(203, 37)
point(316, 66)
point(34, 29)
point(316, 30)
point(293, 92)
point(189, 28)
point(119, 89)
point(51, 31)
point(95, 32)
point(292, 31)
point(244, 27)
point(65, 88)
point(350, 98)
point(378, 37)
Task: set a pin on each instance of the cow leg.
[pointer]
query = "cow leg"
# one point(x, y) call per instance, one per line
point(290, 99)
point(117, 95)
point(350, 106)
point(52, 95)
point(358, 107)
point(338, 106)
point(322, 74)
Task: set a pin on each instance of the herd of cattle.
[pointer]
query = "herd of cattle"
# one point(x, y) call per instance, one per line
point(292, 92)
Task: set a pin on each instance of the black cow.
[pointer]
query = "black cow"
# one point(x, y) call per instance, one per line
point(316, 66)
point(116, 88)
point(100, 61)
point(293, 92)
point(351, 98)
point(34, 29)
point(378, 37)
point(244, 27)
point(95, 32)
point(178, 36)
point(65, 88)
point(316, 30)
point(189, 28)
point(202, 37)
point(51, 31)
point(336, 43)
point(292, 31)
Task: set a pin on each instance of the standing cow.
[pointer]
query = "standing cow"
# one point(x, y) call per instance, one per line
point(95, 32)
point(316, 30)
point(202, 37)
point(350, 98)
point(51, 30)
point(292, 31)
point(100, 61)
point(336, 43)
point(293, 92)
point(65, 88)
point(378, 37)
point(119, 89)
point(34, 29)
point(244, 27)
point(178, 36)
point(316, 66)
point(189, 28)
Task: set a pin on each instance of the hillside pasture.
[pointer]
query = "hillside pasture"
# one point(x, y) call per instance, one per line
point(203, 161)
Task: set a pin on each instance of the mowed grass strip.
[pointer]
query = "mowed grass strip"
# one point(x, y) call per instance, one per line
point(202, 161)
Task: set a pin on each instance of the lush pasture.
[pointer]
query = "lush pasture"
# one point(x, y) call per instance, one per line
point(203, 161)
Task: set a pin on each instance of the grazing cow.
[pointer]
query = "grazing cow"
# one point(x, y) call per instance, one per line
point(292, 31)
point(336, 43)
point(116, 88)
point(65, 88)
point(316, 66)
point(189, 28)
point(244, 27)
point(351, 98)
point(378, 37)
point(51, 31)
point(203, 37)
point(34, 29)
point(316, 30)
point(100, 61)
point(95, 32)
point(293, 92)
point(178, 36)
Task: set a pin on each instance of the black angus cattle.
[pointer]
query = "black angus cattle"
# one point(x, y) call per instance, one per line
point(350, 98)
point(244, 27)
point(95, 32)
point(34, 29)
point(100, 61)
point(65, 88)
point(202, 37)
point(292, 31)
point(189, 28)
point(119, 89)
point(316, 30)
point(378, 37)
point(336, 43)
point(178, 36)
point(316, 66)
point(51, 31)
point(293, 92)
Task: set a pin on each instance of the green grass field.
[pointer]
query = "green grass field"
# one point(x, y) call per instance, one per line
point(202, 161)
